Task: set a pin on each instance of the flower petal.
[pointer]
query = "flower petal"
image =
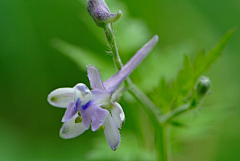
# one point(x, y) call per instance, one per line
point(95, 78)
point(98, 118)
point(111, 133)
point(101, 97)
point(114, 82)
point(94, 115)
point(61, 97)
point(86, 115)
point(70, 112)
point(118, 114)
point(83, 89)
point(70, 129)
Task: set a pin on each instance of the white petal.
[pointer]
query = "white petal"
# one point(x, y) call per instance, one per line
point(81, 90)
point(111, 133)
point(71, 129)
point(94, 77)
point(61, 97)
point(118, 114)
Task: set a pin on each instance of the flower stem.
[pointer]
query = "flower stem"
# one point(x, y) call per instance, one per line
point(174, 113)
point(148, 105)
point(108, 29)
point(136, 92)
point(162, 142)
point(162, 132)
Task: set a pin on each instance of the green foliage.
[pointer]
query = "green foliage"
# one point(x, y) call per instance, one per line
point(83, 57)
point(130, 149)
point(203, 62)
point(181, 90)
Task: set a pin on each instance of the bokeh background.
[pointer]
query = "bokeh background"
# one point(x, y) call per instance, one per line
point(36, 36)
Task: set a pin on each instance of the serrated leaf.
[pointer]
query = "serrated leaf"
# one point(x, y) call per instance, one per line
point(162, 96)
point(199, 60)
point(184, 79)
point(202, 63)
point(181, 90)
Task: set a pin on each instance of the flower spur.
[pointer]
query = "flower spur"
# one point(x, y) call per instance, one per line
point(96, 107)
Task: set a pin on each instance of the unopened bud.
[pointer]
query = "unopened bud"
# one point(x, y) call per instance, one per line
point(203, 86)
point(100, 12)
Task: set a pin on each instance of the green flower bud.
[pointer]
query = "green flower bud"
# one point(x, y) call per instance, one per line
point(203, 87)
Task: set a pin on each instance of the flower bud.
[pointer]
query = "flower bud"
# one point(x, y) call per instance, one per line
point(100, 12)
point(203, 86)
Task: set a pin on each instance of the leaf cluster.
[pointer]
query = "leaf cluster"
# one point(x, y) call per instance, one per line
point(171, 95)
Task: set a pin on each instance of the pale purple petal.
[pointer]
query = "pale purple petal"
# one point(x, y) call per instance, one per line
point(98, 118)
point(101, 97)
point(114, 82)
point(94, 77)
point(61, 97)
point(117, 114)
point(70, 112)
point(93, 115)
point(86, 115)
point(70, 129)
point(111, 133)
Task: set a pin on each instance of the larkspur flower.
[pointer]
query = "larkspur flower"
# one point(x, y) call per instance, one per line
point(96, 107)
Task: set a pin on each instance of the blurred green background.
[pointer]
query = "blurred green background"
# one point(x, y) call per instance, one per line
point(33, 36)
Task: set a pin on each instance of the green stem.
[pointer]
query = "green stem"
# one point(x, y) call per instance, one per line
point(162, 133)
point(137, 93)
point(108, 29)
point(162, 142)
point(148, 105)
point(175, 113)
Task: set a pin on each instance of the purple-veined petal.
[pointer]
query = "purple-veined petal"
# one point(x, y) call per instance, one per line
point(61, 97)
point(71, 111)
point(114, 82)
point(93, 115)
point(111, 133)
point(86, 115)
point(117, 114)
point(94, 77)
point(82, 89)
point(70, 129)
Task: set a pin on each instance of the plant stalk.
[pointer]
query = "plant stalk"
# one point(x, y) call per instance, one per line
point(136, 92)
point(162, 142)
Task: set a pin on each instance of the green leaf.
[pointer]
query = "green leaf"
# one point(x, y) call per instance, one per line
point(199, 60)
point(183, 83)
point(184, 78)
point(178, 124)
point(181, 90)
point(162, 96)
point(202, 63)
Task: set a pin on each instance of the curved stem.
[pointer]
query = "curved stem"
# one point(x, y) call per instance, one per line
point(162, 135)
point(148, 105)
point(175, 113)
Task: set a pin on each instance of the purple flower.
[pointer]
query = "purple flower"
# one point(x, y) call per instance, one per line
point(95, 107)
point(100, 12)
